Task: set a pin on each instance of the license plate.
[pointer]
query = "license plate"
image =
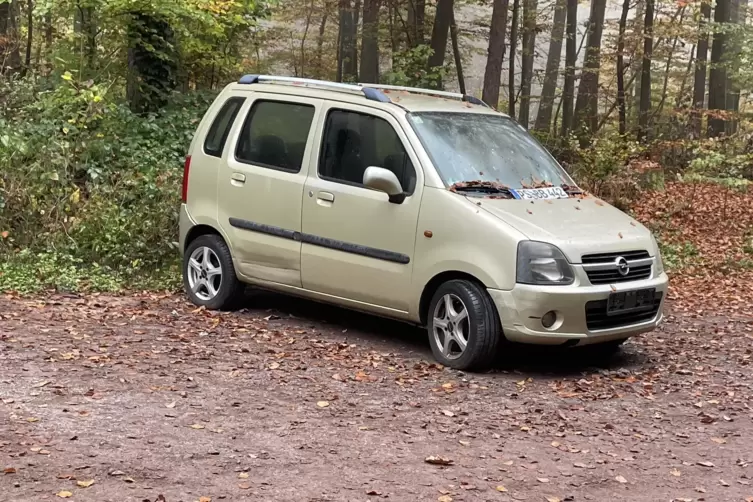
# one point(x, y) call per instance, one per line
point(630, 301)
point(540, 193)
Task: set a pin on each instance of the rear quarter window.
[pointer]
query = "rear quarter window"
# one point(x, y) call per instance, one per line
point(216, 138)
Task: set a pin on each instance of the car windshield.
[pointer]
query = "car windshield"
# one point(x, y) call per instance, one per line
point(473, 147)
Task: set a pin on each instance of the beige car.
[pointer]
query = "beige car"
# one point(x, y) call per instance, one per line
point(418, 205)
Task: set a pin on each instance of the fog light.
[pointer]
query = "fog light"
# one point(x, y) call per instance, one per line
point(549, 319)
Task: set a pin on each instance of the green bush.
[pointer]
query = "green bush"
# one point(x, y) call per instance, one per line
point(88, 186)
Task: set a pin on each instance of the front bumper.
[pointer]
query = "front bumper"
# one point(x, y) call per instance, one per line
point(522, 308)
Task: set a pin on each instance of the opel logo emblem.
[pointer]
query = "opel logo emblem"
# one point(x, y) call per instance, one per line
point(622, 266)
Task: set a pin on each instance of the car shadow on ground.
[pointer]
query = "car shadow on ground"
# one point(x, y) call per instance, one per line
point(411, 341)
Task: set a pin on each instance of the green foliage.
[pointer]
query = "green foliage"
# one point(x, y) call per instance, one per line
point(678, 256)
point(409, 68)
point(87, 185)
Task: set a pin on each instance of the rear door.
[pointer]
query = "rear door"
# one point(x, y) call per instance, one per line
point(261, 186)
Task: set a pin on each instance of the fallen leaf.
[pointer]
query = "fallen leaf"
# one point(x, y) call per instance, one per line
point(4, 234)
point(243, 475)
point(322, 404)
point(85, 484)
point(9, 470)
point(621, 479)
point(556, 444)
point(41, 384)
point(244, 486)
point(723, 483)
point(706, 463)
point(448, 413)
point(501, 488)
point(508, 462)
point(64, 494)
point(675, 472)
point(197, 426)
point(274, 365)
point(171, 405)
point(129, 480)
point(205, 499)
point(719, 440)
point(435, 460)
point(542, 480)
point(32, 419)
point(444, 498)
point(553, 499)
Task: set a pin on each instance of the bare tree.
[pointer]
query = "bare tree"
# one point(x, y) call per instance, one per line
point(621, 67)
point(645, 103)
point(439, 34)
point(587, 103)
point(370, 42)
point(495, 53)
point(551, 76)
point(568, 92)
point(511, 65)
point(699, 77)
point(416, 21)
point(718, 76)
point(529, 41)
point(10, 55)
point(347, 62)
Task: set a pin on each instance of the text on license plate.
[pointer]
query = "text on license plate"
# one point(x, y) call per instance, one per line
point(540, 193)
point(631, 301)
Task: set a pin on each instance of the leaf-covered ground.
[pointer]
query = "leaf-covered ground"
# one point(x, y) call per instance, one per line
point(145, 398)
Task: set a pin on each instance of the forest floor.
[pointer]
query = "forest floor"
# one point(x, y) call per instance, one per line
point(145, 398)
point(136, 397)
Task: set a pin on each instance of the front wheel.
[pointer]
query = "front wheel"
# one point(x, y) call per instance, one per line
point(464, 327)
point(208, 274)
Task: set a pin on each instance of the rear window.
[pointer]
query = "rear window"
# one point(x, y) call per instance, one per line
point(218, 133)
point(275, 135)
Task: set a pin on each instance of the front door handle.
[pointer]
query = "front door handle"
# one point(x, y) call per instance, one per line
point(326, 196)
point(239, 177)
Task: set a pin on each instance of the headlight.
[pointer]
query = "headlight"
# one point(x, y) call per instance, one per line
point(543, 264)
point(657, 254)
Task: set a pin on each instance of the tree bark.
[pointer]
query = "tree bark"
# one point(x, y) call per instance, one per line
point(511, 65)
point(568, 92)
point(648, 42)
point(718, 76)
point(29, 35)
point(699, 77)
point(347, 57)
point(439, 34)
point(529, 48)
point(370, 42)
point(10, 55)
point(587, 103)
point(621, 68)
point(309, 15)
point(738, 10)
point(416, 21)
point(551, 76)
point(456, 54)
point(318, 71)
point(495, 54)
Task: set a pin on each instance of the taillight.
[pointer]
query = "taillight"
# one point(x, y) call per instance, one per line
point(186, 169)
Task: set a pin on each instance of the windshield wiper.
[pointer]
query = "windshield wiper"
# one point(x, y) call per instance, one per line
point(482, 187)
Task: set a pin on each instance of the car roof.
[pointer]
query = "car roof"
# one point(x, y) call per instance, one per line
point(370, 95)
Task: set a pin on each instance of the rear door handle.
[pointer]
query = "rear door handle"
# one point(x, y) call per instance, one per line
point(240, 177)
point(326, 196)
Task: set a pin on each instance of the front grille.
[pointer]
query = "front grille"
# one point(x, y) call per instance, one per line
point(601, 268)
point(597, 318)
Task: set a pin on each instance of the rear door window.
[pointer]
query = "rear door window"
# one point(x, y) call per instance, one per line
point(275, 135)
point(214, 143)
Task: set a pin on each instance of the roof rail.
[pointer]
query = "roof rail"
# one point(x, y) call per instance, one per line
point(417, 90)
point(367, 90)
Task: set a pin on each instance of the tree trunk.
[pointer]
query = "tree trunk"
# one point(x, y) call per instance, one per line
point(347, 57)
point(416, 21)
point(495, 54)
point(10, 55)
point(737, 16)
point(648, 43)
point(511, 65)
point(309, 15)
point(318, 71)
point(370, 42)
point(718, 76)
point(456, 54)
point(29, 35)
point(621, 67)
point(587, 103)
point(551, 77)
point(442, 23)
point(529, 48)
point(699, 77)
point(568, 92)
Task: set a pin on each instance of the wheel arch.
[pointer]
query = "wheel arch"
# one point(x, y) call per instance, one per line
point(197, 231)
point(433, 285)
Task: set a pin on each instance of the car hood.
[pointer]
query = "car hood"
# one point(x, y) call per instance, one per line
point(577, 226)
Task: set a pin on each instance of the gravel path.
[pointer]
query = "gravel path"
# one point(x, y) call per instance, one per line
point(144, 398)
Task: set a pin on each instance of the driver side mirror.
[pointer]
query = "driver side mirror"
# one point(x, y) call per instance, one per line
point(384, 180)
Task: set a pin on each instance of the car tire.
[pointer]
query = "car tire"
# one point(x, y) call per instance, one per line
point(608, 349)
point(463, 326)
point(209, 277)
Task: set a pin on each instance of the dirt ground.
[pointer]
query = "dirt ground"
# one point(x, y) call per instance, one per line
point(145, 398)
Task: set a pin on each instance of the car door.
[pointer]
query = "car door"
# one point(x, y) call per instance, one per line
point(357, 244)
point(261, 186)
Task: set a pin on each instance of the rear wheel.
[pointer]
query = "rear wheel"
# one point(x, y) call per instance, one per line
point(463, 325)
point(208, 274)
